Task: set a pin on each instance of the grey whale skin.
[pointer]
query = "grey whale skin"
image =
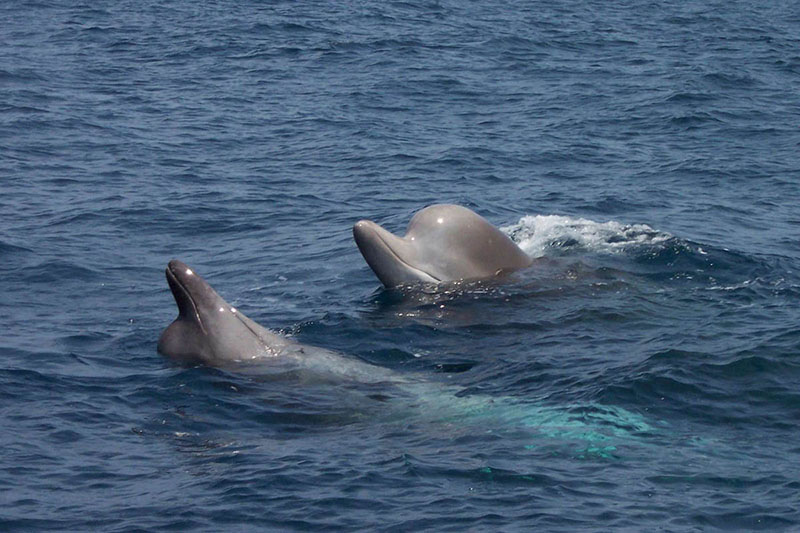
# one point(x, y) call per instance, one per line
point(443, 242)
point(209, 331)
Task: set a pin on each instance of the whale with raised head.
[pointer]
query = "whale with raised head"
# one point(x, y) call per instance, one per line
point(443, 242)
point(209, 331)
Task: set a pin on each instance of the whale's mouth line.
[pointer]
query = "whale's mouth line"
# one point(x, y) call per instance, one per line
point(402, 261)
point(172, 277)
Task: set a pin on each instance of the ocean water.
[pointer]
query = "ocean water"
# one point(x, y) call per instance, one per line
point(642, 375)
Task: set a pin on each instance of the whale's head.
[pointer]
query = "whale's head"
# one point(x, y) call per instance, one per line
point(208, 330)
point(442, 243)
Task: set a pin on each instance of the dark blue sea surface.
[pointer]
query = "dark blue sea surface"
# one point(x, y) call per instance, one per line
point(642, 375)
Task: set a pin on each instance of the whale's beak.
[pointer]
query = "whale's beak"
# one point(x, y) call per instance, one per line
point(193, 295)
point(176, 273)
point(389, 256)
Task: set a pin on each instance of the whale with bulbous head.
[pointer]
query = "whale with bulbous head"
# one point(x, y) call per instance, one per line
point(442, 243)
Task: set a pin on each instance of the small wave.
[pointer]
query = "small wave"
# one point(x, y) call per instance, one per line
point(54, 271)
point(19, 75)
point(6, 249)
point(541, 235)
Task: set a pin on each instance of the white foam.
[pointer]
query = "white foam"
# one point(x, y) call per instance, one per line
point(538, 235)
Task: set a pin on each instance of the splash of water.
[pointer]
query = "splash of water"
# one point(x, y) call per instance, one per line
point(540, 235)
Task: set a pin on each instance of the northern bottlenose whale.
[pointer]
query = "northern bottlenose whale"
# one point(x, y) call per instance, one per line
point(442, 243)
point(209, 331)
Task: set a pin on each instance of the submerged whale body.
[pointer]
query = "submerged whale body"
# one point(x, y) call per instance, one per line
point(209, 331)
point(442, 243)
